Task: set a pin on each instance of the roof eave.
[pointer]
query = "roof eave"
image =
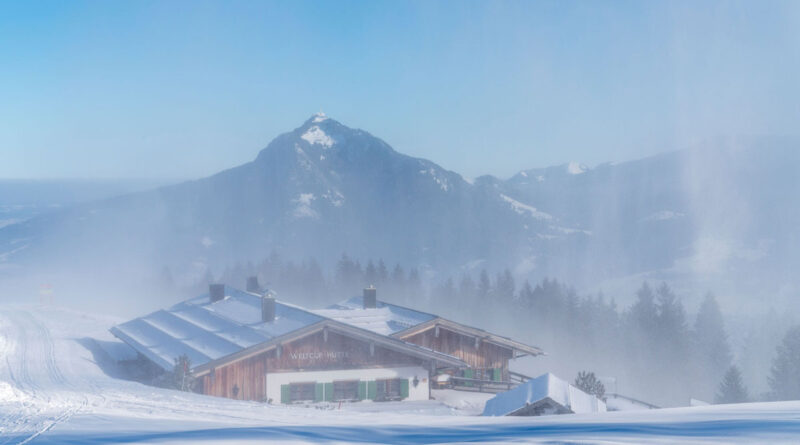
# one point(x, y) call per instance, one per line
point(474, 332)
point(134, 345)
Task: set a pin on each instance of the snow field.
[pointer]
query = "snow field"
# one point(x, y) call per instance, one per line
point(53, 390)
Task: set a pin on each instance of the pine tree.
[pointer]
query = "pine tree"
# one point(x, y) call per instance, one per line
point(672, 330)
point(671, 316)
point(370, 274)
point(526, 298)
point(784, 379)
point(484, 285)
point(398, 276)
point(182, 378)
point(588, 383)
point(397, 284)
point(467, 288)
point(643, 313)
point(731, 389)
point(640, 337)
point(383, 273)
point(712, 355)
point(413, 290)
point(671, 340)
point(349, 275)
point(312, 283)
point(344, 268)
point(505, 287)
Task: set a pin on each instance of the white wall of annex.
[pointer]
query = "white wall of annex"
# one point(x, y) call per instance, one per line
point(275, 380)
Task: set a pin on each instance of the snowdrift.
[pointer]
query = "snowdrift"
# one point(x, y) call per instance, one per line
point(546, 394)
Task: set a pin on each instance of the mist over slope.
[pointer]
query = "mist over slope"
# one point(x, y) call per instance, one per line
point(719, 218)
point(713, 218)
point(22, 199)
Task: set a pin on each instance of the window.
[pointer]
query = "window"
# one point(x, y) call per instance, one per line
point(301, 392)
point(391, 389)
point(347, 390)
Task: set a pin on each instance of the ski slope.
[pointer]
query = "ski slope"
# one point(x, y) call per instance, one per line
point(53, 389)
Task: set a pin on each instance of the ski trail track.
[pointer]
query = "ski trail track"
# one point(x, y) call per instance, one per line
point(48, 396)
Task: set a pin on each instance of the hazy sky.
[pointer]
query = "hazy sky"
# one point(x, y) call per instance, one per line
point(184, 89)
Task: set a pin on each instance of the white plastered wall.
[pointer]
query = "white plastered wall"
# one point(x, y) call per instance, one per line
point(420, 392)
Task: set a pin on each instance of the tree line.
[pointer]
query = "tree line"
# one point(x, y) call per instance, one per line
point(651, 349)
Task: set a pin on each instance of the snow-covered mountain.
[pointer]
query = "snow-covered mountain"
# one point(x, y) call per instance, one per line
point(320, 190)
point(709, 217)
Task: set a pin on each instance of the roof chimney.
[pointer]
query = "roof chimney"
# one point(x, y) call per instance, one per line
point(252, 285)
point(267, 308)
point(370, 297)
point(216, 292)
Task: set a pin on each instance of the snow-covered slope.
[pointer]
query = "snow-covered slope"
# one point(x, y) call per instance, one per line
point(55, 388)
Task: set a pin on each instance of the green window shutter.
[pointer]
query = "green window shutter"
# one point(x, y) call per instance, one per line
point(497, 374)
point(329, 392)
point(318, 388)
point(468, 373)
point(404, 388)
point(362, 390)
point(286, 395)
point(372, 390)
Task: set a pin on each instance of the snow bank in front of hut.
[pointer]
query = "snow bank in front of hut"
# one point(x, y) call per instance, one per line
point(463, 401)
point(546, 386)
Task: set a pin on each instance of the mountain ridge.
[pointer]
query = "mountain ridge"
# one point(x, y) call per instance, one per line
point(324, 189)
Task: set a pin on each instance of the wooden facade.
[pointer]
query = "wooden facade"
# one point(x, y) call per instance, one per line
point(245, 379)
point(321, 351)
point(489, 359)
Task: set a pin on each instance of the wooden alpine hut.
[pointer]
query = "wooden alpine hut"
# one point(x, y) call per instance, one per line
point(250, 346)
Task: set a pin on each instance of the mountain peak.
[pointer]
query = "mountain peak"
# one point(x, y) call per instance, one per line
point(576, 168)
point(318, 129)
point(319, 117)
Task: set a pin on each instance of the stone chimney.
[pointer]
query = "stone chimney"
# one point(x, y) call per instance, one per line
point(267, 308)
point(252, 285)
point(370, 297)
point(216, 292)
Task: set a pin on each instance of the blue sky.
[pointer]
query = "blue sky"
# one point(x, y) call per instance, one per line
point(177, 89)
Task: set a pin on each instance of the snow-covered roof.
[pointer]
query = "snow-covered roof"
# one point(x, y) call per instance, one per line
point(207, 331)
point(401, 322)
point(384, 319)
point(213, 333)
point(546, 388)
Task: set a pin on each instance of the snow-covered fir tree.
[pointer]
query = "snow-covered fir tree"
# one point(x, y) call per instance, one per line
point(588, 383)
point(711, 352)
point(784, 379)
point(731, 389)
